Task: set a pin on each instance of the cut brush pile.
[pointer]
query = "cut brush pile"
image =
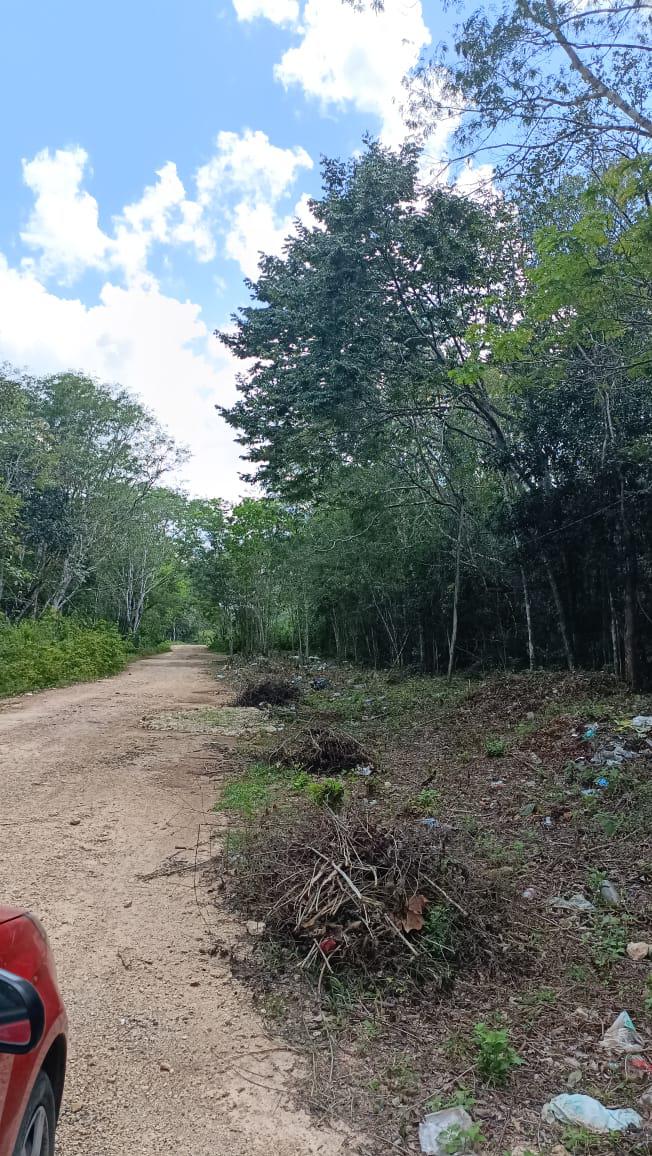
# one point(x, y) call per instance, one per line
point(269, 692)
point(349, 895)
point(321, 750)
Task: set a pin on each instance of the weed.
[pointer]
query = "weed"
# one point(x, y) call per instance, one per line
point(608, 823)
point(607, 940)
point(578, 973)
point(501, 854)
point(274, 1006)
point(458, 1139)
point(250, 793)
point(327, 793)
point(594, 881)
point(460, 1098)
point(438, 933)
point(496, 1057)
point(647, 999)
point(581, 1141)
point(540, 997)
point(429, 800)
point(495, 748)
point(401, 1075)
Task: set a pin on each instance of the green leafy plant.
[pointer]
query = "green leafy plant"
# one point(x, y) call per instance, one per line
point(496, 1057)
point(457, 1139)
point(580, 1140)
point(462, 1097)
point(607, 939)
point(438, 934)
point(495, 748)
point(428, 800)
point(327, 793)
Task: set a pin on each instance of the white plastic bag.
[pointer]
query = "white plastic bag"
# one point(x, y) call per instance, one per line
point(439, 1126)
point(622, 1039)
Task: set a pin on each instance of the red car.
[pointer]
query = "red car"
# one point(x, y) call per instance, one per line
point(33, 1038)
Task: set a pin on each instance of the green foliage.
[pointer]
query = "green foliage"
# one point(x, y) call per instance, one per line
point(496, 1057)
point(327, 793)
point(428, 800)
point(495, 748)
point(607, 939)
point(438, 935)
point(461, 1097)
point(52, 651)
point(458, 1139)
point(251, 792)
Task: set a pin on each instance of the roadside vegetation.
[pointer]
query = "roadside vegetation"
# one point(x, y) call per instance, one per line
point(412, 914)
point(98, 559)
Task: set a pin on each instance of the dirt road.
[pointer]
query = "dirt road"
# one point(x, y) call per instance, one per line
point(167, 1053)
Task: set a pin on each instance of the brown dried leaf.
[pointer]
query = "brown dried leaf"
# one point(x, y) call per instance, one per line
point(413, 919)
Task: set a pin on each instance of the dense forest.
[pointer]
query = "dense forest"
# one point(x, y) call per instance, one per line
point(445, 399)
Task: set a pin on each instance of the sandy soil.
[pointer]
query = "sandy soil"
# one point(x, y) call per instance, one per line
point(167, 1053)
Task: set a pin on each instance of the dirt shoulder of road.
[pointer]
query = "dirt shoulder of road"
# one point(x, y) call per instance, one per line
point(106, 827)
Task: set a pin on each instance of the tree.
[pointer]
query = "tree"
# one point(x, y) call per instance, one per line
point(546, 86)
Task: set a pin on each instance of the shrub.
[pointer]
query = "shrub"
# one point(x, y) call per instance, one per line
point(327, 792)
point(495, 748)
point(496, 1056)
point(53, 651)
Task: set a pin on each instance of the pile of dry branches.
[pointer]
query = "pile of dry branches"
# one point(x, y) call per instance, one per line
point(321, 750)
point(268, 691)
point(351, 895)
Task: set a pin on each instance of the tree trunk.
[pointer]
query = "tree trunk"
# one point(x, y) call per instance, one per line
point(456, 596)
point(561, 614)
point(528, 620)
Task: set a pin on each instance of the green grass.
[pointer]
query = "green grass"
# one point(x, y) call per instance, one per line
point(251, 792)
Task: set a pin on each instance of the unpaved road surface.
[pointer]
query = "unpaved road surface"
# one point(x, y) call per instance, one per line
point(167, 1053)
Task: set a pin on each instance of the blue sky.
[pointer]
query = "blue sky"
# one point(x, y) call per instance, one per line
point(149, 150)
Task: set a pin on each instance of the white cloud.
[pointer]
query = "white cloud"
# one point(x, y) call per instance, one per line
point(357, 58)
point(155, 345)
point(244, 185)
point(63, 227)
point(249, 163)
point(239, 195)
point(63, 224)
point(278, 11)
point(159, 348)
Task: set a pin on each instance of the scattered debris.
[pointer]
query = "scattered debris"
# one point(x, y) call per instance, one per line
point(609, 894)
point(622, 1038)
point(646, 1101)
point(642, 723)
point(576, 902)
point(255, 928)
point(639, 1066)
point(438, 1132)
point(585, 1112)
point(639, 951)
point(320, 683)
